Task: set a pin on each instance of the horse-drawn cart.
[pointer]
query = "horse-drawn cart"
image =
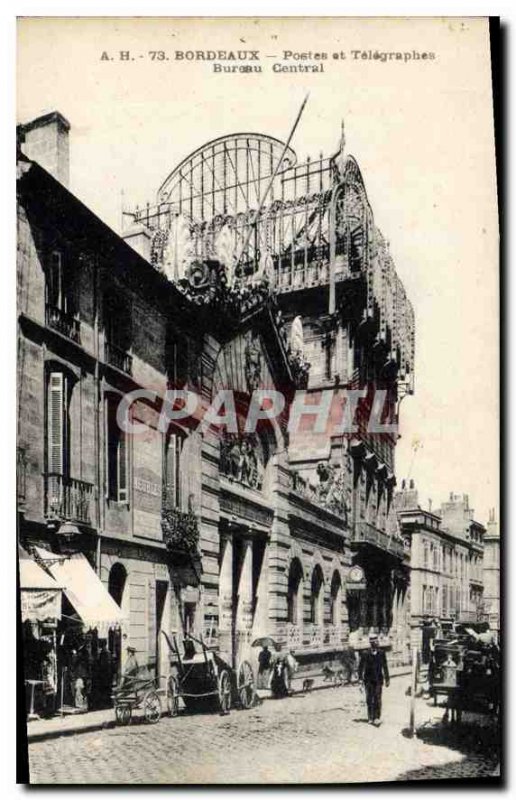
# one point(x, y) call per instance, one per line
point(466, 671)
point(204, 681)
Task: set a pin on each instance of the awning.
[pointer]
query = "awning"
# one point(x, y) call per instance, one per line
point(40, 595)
point(85, 591)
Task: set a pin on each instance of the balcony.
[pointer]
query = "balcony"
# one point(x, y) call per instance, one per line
point(367, 534)
point(118, 358)
point(67, 498)
point(65, 324)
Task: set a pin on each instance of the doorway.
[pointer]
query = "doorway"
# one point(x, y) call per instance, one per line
point(162, 623)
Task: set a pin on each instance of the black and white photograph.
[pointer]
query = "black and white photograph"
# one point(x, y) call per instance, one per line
point(257, 400)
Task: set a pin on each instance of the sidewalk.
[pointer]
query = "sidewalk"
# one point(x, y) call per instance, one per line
point(40, 729)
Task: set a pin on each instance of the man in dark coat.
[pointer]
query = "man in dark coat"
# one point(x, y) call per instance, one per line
point(372, 671)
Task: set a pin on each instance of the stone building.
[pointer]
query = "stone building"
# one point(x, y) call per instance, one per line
point(491, 572)
point(306, 231)
point(446, 560)
point(193, 528)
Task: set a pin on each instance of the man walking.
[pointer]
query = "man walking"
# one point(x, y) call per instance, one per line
point(372, 671)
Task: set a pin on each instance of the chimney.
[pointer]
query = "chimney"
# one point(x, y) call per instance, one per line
point(45, 140)
point(139, 237)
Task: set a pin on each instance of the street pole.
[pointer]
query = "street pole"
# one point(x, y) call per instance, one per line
point(413, 689)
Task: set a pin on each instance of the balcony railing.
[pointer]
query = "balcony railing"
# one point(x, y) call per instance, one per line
point(63, 323)
point(294, 636)
point(118, 358)
point(313, 635)
point(332, 635)
point(365, 533)
point(68, 498)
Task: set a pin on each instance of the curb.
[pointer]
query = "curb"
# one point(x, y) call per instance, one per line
point(41, 736)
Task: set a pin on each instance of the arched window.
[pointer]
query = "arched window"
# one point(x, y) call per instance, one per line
point(317, 596)
point(295, 593)
point(335, 598)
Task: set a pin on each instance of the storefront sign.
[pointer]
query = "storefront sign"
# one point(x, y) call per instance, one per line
point(147, 461)
point(40, 604)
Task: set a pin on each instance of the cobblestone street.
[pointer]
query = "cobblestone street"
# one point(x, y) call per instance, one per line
point(320, 737)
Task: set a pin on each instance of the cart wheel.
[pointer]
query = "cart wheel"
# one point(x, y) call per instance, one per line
point(123, 715)
point(172, 697)
point(224, 691)
point(246, 685)
point(152, 708)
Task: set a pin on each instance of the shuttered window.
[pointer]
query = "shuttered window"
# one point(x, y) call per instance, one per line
point(57, 424)
point(172, 472)
point(117, 455)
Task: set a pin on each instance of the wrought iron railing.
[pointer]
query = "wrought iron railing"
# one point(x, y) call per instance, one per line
point(118, 358)
point(67, 498)
point(64, 323)
point(365, 533)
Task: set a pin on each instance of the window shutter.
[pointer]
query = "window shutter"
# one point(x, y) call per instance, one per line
point(56, 415)
point(123, 494)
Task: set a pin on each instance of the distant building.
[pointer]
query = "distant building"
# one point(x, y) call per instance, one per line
point(492, 572)
point(446, 551)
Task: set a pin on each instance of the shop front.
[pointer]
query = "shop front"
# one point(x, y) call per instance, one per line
point(89, 620)
point(40, 599)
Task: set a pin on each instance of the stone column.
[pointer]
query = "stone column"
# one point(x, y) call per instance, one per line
point(244, 616)
point(226, 596)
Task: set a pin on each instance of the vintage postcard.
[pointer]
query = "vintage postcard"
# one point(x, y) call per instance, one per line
point(257, 394)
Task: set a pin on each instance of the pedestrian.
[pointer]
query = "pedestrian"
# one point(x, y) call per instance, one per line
point(131, 668)
point(279, 680)
point(49, 676)
point(103, 676)
point(372, 671)
point(264, 667)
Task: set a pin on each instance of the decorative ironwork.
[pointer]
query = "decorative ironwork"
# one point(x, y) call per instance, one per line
point(64, 323)
point(118, 358)
point(67, 498)
point(315, 228)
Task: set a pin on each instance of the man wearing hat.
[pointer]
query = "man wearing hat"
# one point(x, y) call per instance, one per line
point(131, 667)
point(372, 671)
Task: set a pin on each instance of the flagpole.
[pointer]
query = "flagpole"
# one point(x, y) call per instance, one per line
point(271, 181)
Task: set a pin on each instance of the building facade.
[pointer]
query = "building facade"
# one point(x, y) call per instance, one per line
point(193, 528)
point(491, 572)
point(446, 561)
